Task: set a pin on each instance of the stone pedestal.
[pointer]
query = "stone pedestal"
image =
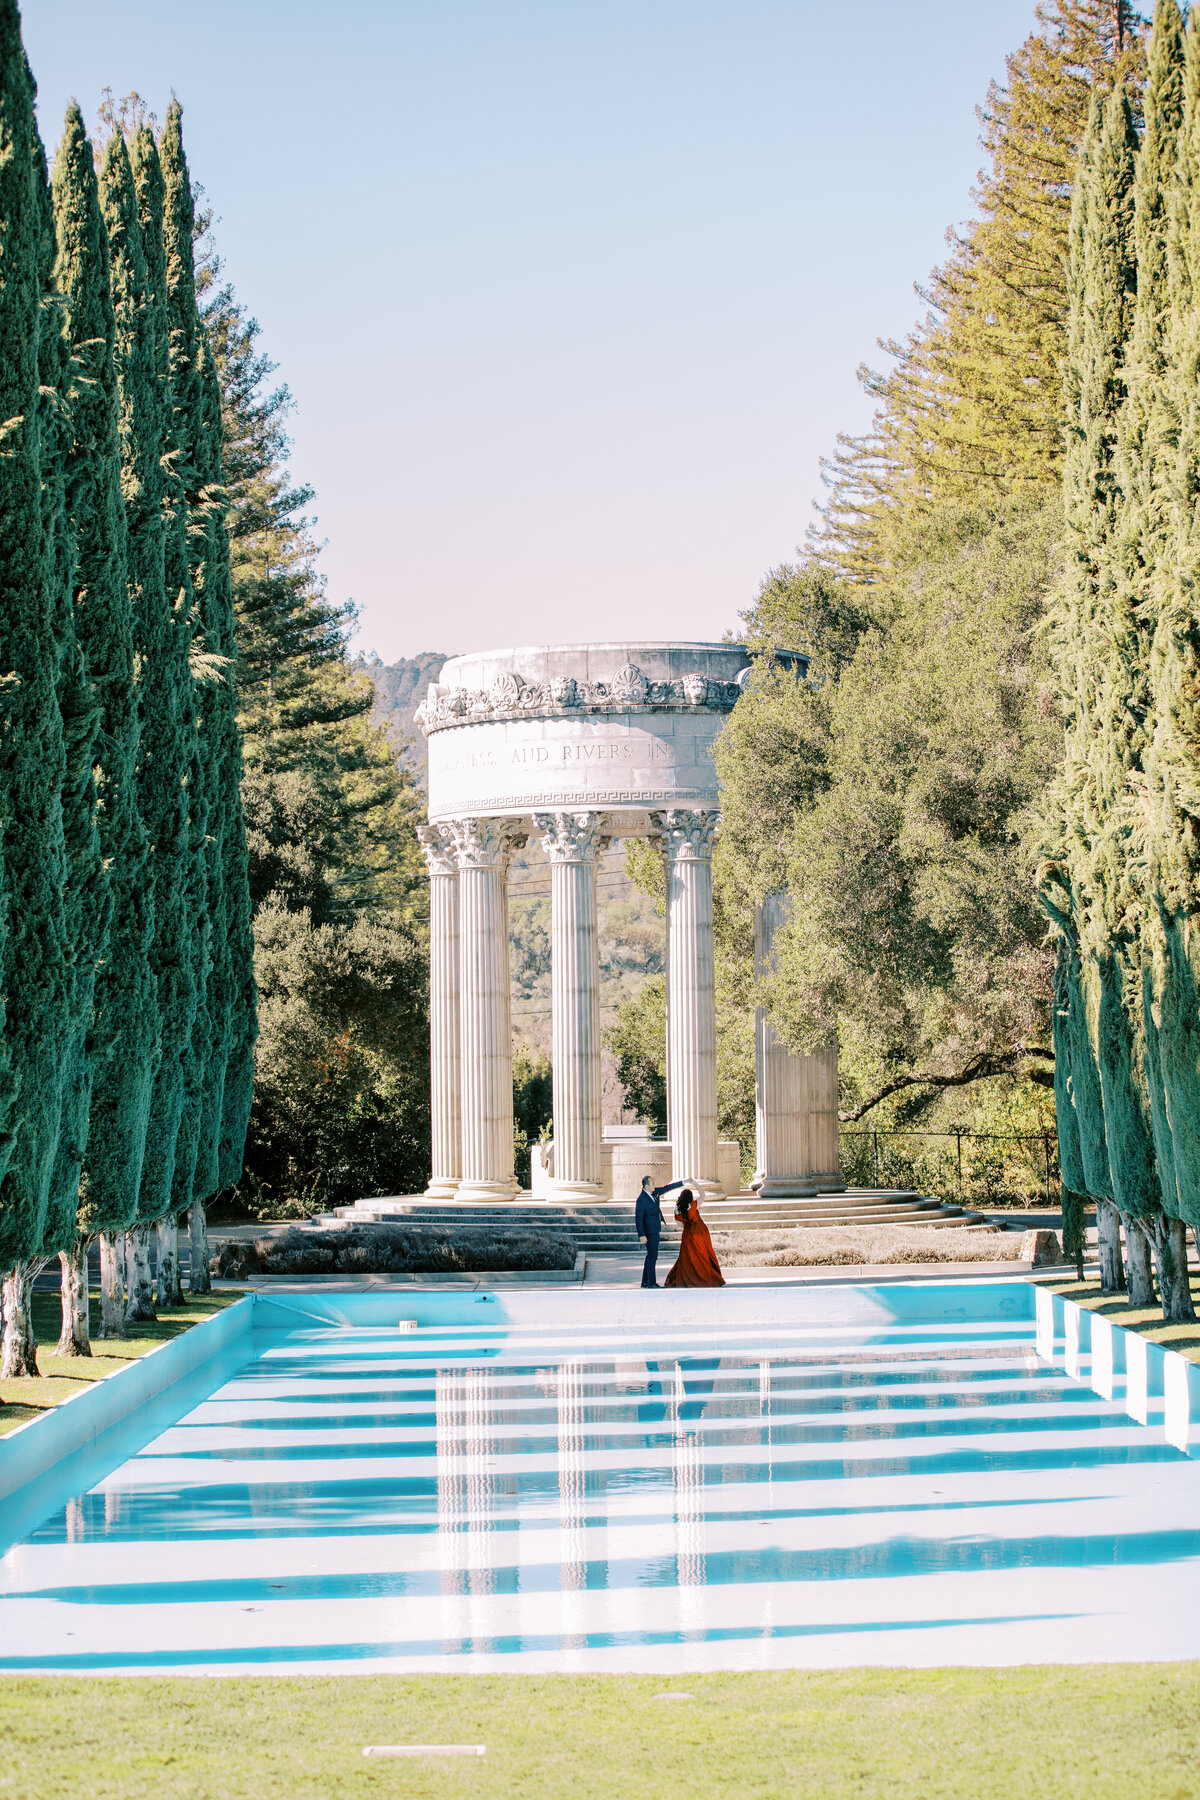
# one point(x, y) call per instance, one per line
point(482, 847)
point(445, 1086)
point(795, 1096)
point(571, 842)
point(691, 997)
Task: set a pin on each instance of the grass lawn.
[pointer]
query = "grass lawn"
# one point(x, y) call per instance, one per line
point(1107, 1733)
point(1147, 1320)
point(60, 1376)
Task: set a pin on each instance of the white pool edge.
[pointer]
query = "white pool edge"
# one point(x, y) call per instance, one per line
point(1122, 1366)
point(31, 1450)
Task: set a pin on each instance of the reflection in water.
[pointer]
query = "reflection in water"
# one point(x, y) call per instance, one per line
point(689, 1510)
point(570, 1389)
point(465, 1484)
point(523, 1503)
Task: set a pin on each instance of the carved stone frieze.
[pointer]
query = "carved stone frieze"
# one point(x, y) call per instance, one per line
point(511, 696)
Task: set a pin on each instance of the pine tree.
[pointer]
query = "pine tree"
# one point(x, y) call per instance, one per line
point(34, 975)
point(168, 754)
point(100, 738)
point(972, 405)
point(213, 1135)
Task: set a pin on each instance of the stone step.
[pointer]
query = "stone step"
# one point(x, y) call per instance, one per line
point(589, 1231)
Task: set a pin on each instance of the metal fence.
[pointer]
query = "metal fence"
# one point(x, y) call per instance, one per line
point(975, 1168)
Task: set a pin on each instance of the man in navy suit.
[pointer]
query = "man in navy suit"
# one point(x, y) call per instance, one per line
point(649, 1221)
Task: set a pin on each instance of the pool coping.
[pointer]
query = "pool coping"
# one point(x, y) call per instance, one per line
point(1118, 1364)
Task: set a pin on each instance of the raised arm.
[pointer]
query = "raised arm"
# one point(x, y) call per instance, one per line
point(670, 1188)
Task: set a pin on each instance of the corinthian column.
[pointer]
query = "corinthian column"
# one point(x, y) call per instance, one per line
point(571, 841)
point(445, 1094)
point(482, 849)
point(691, 996)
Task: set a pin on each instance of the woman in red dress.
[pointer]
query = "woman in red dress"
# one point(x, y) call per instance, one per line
point(696, 1265)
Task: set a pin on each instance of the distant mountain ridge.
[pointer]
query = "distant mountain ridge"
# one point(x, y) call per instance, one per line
point(399, 690)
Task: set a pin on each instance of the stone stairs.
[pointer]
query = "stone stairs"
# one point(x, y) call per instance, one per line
point(606, 1226)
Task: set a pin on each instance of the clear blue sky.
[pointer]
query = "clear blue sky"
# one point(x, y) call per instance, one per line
point(570, 293)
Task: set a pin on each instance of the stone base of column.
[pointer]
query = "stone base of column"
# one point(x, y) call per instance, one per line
point(486, 1190)
point(577, 1190)
point(788, 1187)
point(442, 1190)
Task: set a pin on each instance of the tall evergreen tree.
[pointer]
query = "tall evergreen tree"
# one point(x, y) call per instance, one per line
point(204, 857)
point(100, 725)
point(972, 403)
point(1096, 645)
point(126, 1027)
point(1171, 797)
point(168, 756)
point(219, 1100)
point(34, 974)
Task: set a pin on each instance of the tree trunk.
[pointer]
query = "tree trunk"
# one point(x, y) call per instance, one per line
point(1108, 1231)
point(198, 1276)
point(75, 1338)
point(1139, 1263)
point(19, 1356)
point(1170, 1254)
point(139, 1308)
point(112, 1284)
point(167, 1291)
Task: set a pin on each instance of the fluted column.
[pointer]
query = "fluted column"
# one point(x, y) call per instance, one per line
point(691, 996)
point(445, 1090)
point(482, 849)
point(795, 1096)
point(572, 841)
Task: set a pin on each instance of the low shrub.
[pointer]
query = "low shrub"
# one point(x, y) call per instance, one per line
point(391, 1250)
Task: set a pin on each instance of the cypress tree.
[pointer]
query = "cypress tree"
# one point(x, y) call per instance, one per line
point(127, 1017)
point(225, 1020)
point(33, 960)
point(203, 850)
point(1170, 796)
point(167, 758)
point(1091, 404)
point(100, 723)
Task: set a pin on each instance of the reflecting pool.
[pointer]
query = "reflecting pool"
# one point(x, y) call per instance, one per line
point(579, 1496)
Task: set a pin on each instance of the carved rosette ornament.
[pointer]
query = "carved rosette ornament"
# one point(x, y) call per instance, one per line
point(571, 836)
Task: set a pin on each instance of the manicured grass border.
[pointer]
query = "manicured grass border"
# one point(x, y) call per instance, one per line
point(62, 1376)
point(1148, 1320)
point(1107, 1733)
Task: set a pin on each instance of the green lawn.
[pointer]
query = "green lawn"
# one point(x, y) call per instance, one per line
point(60, 1376)
point(1107, 1733)
point(1147, 1320)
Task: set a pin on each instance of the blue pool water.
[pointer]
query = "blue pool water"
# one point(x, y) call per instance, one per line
point(588, 1496)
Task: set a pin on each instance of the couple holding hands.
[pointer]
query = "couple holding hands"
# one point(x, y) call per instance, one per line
point(696, 1265)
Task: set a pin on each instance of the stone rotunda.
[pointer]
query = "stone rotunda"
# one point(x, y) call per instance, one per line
point(579, 745)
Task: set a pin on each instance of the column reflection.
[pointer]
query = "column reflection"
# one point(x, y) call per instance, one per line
point(466, 1492)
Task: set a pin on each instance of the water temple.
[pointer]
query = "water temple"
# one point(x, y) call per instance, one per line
point(578, 746)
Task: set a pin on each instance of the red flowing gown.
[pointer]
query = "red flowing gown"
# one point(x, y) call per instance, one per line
point(696, 1265)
